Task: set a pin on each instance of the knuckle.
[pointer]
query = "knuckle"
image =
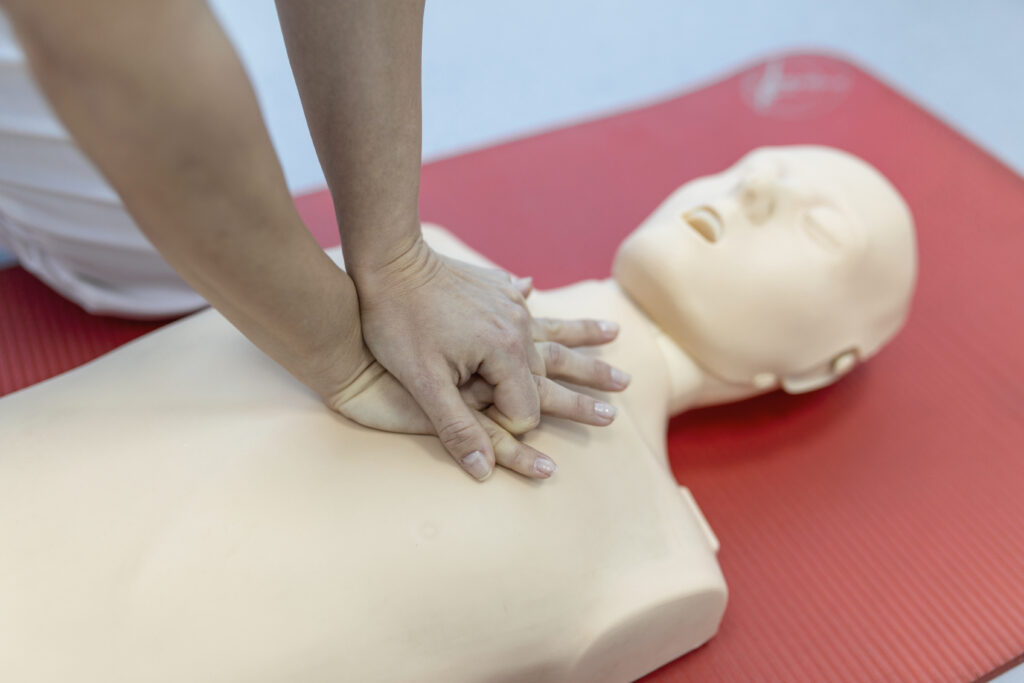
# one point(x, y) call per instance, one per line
point(457, 433)
point(507, 340)
point(423, 382)
point(516, 429)
point(521, 461)
point(524, 424)
point(499, 439)
point(519, 316)
point(556, 356)
point(535, 361)
point(543, 390)
point(582, 404)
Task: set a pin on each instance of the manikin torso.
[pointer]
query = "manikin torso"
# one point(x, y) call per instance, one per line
point(196, 514)
point(182, 509)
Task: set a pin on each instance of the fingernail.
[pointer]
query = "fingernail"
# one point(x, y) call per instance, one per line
point(524, 282)
point(608, 327)
point(544, 466)
point(476, 464)
point(620, 378)
point(605, 410)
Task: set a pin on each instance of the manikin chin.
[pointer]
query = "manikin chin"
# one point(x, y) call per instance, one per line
point(208, 519)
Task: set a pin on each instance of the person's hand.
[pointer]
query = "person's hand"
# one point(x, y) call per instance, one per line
point(376, 399)
point(435, 323)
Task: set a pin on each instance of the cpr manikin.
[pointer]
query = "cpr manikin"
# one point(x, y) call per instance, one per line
point(182, 509)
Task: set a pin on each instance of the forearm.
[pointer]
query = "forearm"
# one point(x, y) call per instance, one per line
point(154, 94)
point(357, 66)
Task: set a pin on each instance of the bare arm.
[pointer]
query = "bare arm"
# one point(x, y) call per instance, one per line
point(357, 66)
point(432, 322)
point(155, 95)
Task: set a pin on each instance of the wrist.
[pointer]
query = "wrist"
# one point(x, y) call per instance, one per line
point(296, 305)
point(326, 349)
point(370, 254)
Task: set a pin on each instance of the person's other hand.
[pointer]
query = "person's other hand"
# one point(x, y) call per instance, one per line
point(376, 399)
point(434, 323)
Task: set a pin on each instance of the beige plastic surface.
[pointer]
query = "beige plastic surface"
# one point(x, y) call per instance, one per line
point(786, 269)
point(182, 509)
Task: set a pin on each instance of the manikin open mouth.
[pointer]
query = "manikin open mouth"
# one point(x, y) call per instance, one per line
point(706, 222)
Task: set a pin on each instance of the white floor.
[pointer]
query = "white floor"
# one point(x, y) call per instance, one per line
point(496, 70)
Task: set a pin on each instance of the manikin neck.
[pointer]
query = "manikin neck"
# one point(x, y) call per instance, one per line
point(690, 385)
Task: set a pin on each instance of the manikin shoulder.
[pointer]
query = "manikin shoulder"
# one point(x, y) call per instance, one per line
point(210, 514)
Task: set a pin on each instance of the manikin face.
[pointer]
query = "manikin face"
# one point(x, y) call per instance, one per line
point(787, 268)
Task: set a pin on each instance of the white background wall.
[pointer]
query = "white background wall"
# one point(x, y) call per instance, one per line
point(494, 70)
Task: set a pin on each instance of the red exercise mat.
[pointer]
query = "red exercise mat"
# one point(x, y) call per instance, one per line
point(872, 531)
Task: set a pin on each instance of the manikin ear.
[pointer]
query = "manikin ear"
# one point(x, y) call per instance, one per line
point(817, 379)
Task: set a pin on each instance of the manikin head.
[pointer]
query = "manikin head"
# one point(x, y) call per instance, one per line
point(784, 270)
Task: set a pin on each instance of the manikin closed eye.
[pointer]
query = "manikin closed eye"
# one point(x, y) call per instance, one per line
point(826, 226)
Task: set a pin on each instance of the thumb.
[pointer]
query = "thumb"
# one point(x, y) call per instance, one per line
point(457, 427)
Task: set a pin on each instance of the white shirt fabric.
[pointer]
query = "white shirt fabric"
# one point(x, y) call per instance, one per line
point(62, 220)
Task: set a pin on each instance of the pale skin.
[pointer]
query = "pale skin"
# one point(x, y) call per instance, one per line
point(155, 95)
point(202, 522)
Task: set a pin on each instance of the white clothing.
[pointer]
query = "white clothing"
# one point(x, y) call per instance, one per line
point(62, 220)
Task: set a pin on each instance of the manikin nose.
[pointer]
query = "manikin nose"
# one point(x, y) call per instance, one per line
point(757, 195)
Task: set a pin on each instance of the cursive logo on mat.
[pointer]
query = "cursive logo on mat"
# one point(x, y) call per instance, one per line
point(797, 87)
